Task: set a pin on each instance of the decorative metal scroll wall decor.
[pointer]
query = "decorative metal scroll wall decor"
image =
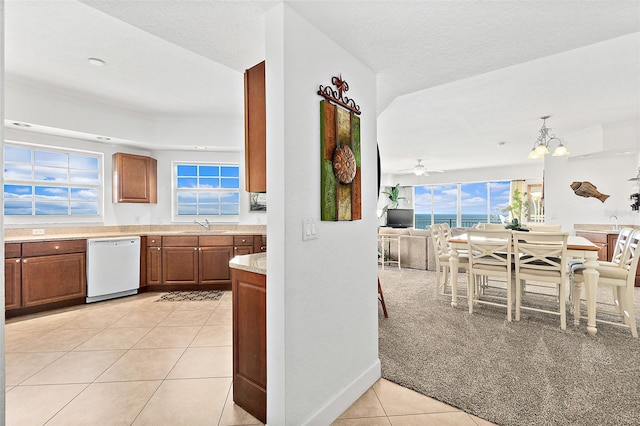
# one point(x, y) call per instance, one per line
point(340, 177)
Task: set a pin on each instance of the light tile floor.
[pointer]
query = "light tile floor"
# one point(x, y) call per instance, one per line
point(135, 361)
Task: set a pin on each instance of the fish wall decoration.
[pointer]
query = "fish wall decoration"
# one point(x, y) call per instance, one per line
point(587, 189)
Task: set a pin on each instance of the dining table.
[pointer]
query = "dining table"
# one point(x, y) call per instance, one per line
point(577, 248)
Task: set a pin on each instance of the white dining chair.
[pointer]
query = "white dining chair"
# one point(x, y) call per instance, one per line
point(620, 276)
point(541, 268)
point(441, 257)
point(489, 256)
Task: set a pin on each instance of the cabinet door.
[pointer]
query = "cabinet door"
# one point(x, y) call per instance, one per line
point(180, 265)
point(240, 250)
point(154, 265)
point(250, 342)
point(134, 178)
point(47, 279)
point(12, 283)
point(214, 264)
point(598, 239)
point(255, 145)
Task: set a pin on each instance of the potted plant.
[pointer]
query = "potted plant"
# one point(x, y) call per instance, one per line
point(517, 210)
point(393, 193)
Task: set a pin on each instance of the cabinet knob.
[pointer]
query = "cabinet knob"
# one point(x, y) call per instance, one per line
point(244, 241)
point(57, 247)
point(24, 261)
point(158, 248)
point(17, 260)
point(153, 241)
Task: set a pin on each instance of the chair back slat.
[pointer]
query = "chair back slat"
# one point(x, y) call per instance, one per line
point(489, 249)
point(540, 251)
point(621, 244)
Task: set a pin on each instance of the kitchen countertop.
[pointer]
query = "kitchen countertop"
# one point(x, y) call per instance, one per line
point(68, 233)
point(256, 263)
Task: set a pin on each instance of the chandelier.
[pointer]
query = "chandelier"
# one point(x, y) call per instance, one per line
point(541, 146)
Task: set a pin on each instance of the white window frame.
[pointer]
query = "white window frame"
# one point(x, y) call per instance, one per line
point(57, 219)
point(190, 218)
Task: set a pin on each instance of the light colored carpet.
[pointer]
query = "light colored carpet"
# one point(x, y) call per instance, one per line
point(520, 373)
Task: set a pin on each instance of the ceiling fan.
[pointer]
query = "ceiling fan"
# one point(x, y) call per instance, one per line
point(420, 170)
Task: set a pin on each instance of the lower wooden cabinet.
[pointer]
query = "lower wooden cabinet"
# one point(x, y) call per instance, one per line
point(12, 283)
point(47, 279)
point(44, 275)
point(214, 264)
point(250, 342)
point(180, 265)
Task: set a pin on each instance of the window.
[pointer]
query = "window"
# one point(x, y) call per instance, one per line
point(460, 204)
point(205, 189)
point(41, 181)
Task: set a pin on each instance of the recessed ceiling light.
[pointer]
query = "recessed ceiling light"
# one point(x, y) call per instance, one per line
point(103, 138)
point(18, 124)
point(97, 62)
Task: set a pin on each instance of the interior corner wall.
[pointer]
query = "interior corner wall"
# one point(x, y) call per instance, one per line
point(322, 307)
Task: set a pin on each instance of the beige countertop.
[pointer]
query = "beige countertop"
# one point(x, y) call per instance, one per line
point(256, 263)
point(68, 233)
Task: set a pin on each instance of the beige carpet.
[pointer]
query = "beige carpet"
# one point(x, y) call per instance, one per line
point(520, 373)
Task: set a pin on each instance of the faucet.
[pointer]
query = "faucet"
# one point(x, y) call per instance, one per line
point(615, 227)
point(206, 225)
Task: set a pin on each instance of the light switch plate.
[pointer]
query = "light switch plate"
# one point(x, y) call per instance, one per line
point(309, 229)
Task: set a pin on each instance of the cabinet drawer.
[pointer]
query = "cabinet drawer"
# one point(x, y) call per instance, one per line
point(154, 241)
point(180, 241)
point(243, 240)
point(12, 250)
point(45, 248)
point(216, 240)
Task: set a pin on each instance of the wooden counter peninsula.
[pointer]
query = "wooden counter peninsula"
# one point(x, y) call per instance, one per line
point(249, 286)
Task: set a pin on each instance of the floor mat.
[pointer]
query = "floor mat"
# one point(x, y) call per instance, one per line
point(192, 295)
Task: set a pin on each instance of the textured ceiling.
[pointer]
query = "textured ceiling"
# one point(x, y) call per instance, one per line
point(452, 76)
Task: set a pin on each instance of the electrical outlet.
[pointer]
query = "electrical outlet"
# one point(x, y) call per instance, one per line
point(37, 232)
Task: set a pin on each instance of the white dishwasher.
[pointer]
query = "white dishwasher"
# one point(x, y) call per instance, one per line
point(113, 267)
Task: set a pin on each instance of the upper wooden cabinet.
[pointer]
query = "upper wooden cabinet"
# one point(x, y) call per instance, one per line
point(255, 135)
point(134, 178)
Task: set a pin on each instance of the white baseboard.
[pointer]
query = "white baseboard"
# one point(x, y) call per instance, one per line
point(334, 407)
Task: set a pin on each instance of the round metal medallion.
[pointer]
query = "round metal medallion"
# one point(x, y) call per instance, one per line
point(344, 164)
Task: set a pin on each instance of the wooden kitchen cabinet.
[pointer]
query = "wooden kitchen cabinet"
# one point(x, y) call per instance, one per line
point(255, 134)
point(12, 276)
point(214, 256)
point(53, 271)
point(600, 239)
point(242, 244)
point(134, 178)
point(153, 261)
point(259, 243)
point(180, 260)
point(250, 342)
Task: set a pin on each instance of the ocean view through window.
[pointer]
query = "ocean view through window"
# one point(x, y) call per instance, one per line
point(460, 205)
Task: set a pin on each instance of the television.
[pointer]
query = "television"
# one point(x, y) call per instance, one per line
point(400, 218)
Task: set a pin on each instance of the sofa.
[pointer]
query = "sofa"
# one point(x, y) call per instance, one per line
point(416, 247)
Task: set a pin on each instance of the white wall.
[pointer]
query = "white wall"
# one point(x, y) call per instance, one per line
point(322, 308)
point(609, 171)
